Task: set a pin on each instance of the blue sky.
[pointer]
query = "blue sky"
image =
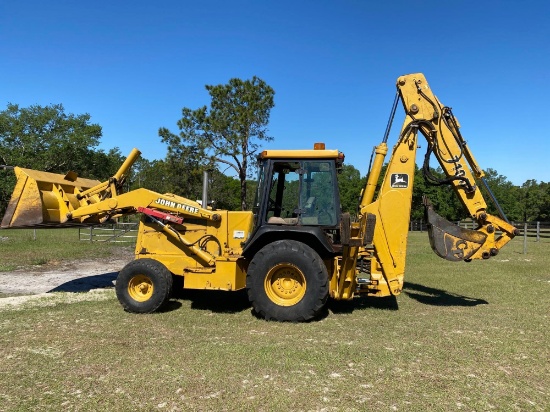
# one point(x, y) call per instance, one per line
point(132, 65)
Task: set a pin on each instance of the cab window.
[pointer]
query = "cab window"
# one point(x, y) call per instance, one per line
point(302, 193)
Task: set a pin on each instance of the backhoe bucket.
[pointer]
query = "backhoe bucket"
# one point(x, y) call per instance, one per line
point(450, 241)
point(43, 199)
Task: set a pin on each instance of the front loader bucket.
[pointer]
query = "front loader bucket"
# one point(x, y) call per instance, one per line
point(450, 241)
point(43, 199)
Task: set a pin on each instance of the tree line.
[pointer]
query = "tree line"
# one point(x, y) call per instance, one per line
point(225, 135)
point(526, 203)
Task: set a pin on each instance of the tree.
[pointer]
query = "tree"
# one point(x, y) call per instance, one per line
point(445, 200)
point(350, 185)
point(228, 132)
point(507, 195)
point(48, 139)
point(545, 209)
point(224, 191)
point(533, 200)
point(175, 174)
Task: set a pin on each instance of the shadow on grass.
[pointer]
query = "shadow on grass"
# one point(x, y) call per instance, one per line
point(363, 302)
point(85, 284)
point(215, 300)
point(423, 294)
point(170, 306)
point(439, 297)
point(233, 302)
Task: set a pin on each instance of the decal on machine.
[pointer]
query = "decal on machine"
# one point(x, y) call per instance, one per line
point(238, 234)
point(175, 205)
point(399, 181)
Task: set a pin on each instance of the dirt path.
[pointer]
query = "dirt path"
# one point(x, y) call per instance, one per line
point(73, 276)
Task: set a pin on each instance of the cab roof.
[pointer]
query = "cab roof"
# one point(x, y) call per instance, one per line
point(301, 154)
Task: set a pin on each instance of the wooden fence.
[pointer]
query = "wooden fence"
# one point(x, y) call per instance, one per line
point(536, 230)
point(127, 232)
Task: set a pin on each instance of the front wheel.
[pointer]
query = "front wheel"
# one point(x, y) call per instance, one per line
point(143, 286)
point(287, 281)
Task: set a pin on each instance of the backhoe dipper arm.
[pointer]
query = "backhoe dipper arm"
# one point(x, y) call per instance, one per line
point(436, 122)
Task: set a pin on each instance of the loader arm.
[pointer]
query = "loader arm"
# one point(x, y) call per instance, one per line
point(377, 245)
point(52, 200)
point(43, 199)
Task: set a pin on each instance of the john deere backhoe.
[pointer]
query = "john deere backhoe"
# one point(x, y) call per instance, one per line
point(295, 248)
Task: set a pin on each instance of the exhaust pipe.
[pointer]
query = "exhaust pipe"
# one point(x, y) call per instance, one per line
point(205, 189)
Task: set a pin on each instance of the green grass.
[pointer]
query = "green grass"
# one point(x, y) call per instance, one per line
point(465, 337)
point(20, 247)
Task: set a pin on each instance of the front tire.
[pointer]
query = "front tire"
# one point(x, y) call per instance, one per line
point(287, 281)
point(143, 286)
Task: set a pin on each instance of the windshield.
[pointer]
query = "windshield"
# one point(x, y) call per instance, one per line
point(302, 193)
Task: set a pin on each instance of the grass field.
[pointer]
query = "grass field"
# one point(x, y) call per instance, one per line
point(471, 337)
point(28, 247)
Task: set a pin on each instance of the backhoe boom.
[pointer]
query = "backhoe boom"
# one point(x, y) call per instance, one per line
point(391, 209)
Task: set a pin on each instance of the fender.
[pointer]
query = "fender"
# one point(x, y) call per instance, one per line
point(313, 236)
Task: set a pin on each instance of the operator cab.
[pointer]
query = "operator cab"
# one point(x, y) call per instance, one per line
point(298, 188)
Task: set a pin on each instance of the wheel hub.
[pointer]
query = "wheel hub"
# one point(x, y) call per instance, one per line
point(140, 288)
point(285, 284)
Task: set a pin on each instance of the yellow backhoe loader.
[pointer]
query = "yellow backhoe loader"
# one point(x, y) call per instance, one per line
point(295, 248)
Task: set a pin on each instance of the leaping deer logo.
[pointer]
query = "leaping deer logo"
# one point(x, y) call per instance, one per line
point(399, 180)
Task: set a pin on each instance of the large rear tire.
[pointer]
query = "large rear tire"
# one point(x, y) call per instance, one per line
point(287, 281)
point(143, 286)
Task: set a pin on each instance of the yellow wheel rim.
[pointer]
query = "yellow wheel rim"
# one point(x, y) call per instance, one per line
point(140, 288)
point(285, 284)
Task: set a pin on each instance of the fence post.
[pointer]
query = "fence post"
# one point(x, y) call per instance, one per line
point(525, 238)
point(538, 231)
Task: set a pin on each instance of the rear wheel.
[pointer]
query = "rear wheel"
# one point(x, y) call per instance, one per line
point(287, 281)
point(143, 286)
